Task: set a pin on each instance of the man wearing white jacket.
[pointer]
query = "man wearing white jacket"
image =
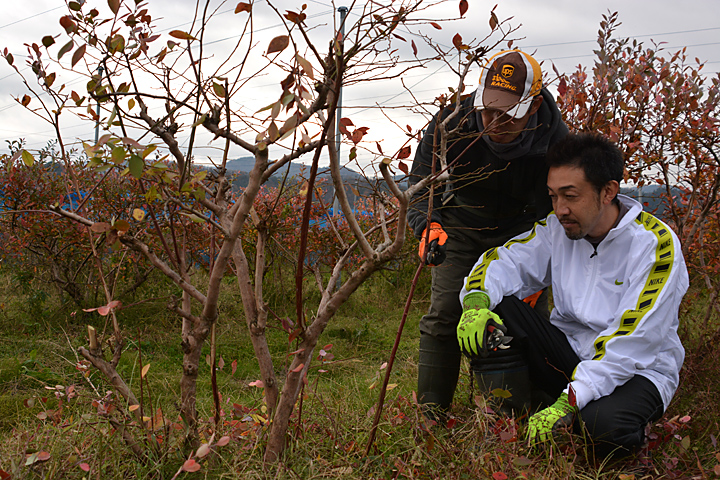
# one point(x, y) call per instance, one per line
point(610, 351)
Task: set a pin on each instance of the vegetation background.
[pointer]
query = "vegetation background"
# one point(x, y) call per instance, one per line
point(65, 414)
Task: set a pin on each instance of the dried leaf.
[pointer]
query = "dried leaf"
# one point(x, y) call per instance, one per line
point(278, 44)
point(493, 21)
point(100, 227)
point(77, 56)
point(180, 35)
point(457, 41)
point(65, 48)
point(414, 47)
point(114, 6)
point(84, 467)
point(224, 440)
point(134, 407)
point(243, 7)
point(138, 214)
point(306, 66)
point(144, 370)
point(404, 152)
point(463, 7)
point(121, 225)
point(233, 366)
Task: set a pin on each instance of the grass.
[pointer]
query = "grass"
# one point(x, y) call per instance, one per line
point(53, 426)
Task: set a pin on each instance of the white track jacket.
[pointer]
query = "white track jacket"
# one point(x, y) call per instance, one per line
point(618, 306)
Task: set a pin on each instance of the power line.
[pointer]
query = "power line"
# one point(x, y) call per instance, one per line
point(32, 16)
point(634, 36)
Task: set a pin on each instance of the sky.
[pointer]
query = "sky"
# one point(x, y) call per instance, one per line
point(562, 33)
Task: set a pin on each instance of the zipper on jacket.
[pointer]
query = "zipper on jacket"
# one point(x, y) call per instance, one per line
point(591, 285)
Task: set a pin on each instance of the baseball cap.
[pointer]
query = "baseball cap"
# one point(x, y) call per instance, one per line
point(509, 81)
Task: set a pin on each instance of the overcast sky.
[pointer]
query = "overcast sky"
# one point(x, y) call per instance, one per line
point(563, 32)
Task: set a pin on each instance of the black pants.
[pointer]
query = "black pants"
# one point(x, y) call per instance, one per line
point(615, 423)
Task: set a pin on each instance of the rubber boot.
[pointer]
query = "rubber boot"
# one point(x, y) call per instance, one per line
point(438, 371)
point(505, 370)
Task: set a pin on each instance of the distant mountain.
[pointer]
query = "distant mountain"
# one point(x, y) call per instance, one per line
point(653, 197)
point(245, 164)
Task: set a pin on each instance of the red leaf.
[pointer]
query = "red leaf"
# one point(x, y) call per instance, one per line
point(294, 17)
point(499, 476)
point(257, 383)
point(572, 400)
point(4, 475)
point(403, 167)
point(562, 87)
point(67, 23)
point(379, 147)
point(223, 441)
point(404, 152)
point(42, 456)
point(346, 122)
point(357, 136)
point(463, 7)
point(233, 365)
point(191, 466)
point(298, 368)
point(278, 44)
point(457, 41)
point(114, 6)
point(84, 467)
point(243, 7)
point(436, 25)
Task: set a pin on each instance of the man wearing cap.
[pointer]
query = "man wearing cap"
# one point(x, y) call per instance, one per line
point(496, 190)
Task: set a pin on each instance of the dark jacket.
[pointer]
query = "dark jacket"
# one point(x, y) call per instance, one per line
point(485, 191)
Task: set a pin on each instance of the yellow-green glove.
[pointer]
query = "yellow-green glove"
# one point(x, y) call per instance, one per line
point(476, 324)
point(543, 424)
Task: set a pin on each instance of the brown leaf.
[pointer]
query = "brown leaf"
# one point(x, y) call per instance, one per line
point(278, 44)
point(414, 47)
point(306, 66)
point(180, 35)
point(48, 40)
point(294, 17)
point(25, 100)
point(493, 21)
point(404, 152)
point(379, 147)
point(457, 41)
point(243, 7)
point(114, 6)
point(436, 25)
point(100, 227)
point(78, 54)
point(67, 23)
point(463, 7)
point(65, 48)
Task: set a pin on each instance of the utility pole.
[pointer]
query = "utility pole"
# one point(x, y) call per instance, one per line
point(338, 113)
point(97, 122)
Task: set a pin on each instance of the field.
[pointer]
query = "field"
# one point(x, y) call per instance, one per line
point(56, 412)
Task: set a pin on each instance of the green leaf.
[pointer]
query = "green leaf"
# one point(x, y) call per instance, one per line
point(118, 155)
point(219, 90)
point(74, 6)
point(200, 120)
point(136, 165)
point(499, 392)
point(28, 159)
point(48, 40)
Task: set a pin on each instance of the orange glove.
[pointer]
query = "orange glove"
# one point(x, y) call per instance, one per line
point(433, 252)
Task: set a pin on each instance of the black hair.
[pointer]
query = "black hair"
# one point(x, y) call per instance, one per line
point(601, 160)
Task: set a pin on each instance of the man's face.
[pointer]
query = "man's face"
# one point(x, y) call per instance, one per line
point(501, 127)
point(579, 207)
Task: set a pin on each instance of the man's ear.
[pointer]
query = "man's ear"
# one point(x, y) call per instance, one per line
point(537, 101)
point(610, 191)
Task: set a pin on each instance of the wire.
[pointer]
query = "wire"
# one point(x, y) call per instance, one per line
point(32, 16)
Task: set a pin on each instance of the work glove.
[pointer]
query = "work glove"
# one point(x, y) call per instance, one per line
point(543, 424)
point(434, 254)
point(478, 324)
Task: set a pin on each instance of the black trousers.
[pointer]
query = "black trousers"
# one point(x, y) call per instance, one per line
point(615, 423)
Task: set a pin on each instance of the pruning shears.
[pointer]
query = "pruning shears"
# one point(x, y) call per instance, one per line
point(497, 339)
